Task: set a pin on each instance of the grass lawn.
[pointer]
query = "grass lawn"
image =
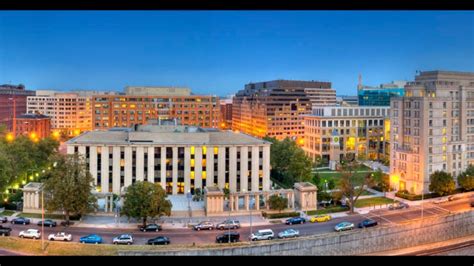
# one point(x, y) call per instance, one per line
point(7, 213)
point(373, 201)
point(33, 247)
point(366, 193)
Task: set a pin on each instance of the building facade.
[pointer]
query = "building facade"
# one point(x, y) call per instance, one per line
point(35, 126)
point(180, 158)
point(12, 103)
point(128, 110)
point(153, 91)
point(332, 133)
point(70, 113)
point(275, 108)
point(380, 96)
point(225, 114)
point(432, 129)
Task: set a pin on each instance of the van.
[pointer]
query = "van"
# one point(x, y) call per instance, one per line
point(264, 234)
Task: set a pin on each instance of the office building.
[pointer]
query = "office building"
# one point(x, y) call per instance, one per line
point(380, 96)
point(226, 113)
point(180, 158)
point(336, 132)
point(12, 103)
point(432, 129)
point(275, 108)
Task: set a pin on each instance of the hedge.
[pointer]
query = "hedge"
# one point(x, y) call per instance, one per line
point(328, 210)
point(280, 215)
point(408, 196)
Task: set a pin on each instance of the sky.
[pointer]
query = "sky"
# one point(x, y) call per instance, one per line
point(218, 52)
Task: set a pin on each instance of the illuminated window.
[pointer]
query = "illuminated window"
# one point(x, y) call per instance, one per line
point(191, 174)
point(204, 149)
point(122, 162)
point(192, 150)
point(444, 131)
point(216, 150)
point(444, 148)
point(192, 162)
point(204, 174)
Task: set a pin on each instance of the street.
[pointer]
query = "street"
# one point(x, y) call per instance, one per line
point(188, 236)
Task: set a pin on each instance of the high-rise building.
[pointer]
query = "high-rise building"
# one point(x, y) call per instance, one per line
point(70, 112)
point(180, 158)
point(35, 126)
point(432, 129)
point(353, 132)
point(153, 91)
point(12, 103)
point(128, 110)
point(347, 100)
point(274, 108)
point(226, 113)
point(380, 96)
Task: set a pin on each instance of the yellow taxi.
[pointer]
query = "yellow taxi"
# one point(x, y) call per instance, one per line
point(320, 218)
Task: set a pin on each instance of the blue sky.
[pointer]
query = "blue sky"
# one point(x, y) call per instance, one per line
point(217, 52)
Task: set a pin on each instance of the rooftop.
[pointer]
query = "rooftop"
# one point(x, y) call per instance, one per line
point(33, 116)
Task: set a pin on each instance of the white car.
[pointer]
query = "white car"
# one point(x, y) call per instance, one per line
point(30, 233)
point(61, 236)
point(265, 234)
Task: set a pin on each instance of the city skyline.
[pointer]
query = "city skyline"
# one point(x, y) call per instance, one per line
point(218, 52)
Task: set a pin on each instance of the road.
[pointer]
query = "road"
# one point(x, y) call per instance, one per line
point(188, 236)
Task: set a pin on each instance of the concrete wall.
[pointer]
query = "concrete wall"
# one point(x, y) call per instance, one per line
point(347, 243)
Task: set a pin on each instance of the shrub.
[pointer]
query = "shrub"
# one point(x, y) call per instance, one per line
point(328, 210)
point(280, 215)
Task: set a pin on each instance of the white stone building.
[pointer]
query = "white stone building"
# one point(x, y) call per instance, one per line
point(180, 158)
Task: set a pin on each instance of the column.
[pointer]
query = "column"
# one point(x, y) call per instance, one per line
point(236, 202)
point(70, 149)
point(247, 203)
point(266, 168)
point(221, 167)
point(244, 168)
point(128, 166)
point(231, 202)
point(175, 170)
point(36, 200)
point(198, 167)
point(151, 164)
point(233, 169)
point(104, 169)
point(93, 163)
point(210, 166)
point(82, 151)
point(140, 164)
point(163, 167)
point(257, 202)
point(288, 199)
point(106, 205)
point(254, 169)
point(187, 167)
point(116, 170)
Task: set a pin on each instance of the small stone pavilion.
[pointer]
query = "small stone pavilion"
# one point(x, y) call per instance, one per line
point(32, 197)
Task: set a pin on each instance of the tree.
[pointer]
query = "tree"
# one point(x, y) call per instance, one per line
point(145, 199)
point(289, 162)
point(277, 202)
point(351, 184)
point(441, 183)
point(466, 178)
point(68, 187)
point(382, 181)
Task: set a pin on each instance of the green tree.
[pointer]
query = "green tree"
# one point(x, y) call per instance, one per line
point(145, 199)
point(442, 183)
point(351, 185)
point(277, 202)
point(289, 162)
point(68, 187)
point(466, 179)
point(382, 181)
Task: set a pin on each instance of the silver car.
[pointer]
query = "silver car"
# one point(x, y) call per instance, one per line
point(289, 233)
point(123, 239)
point(265, 234)
point(228, 224)
point(204, 226)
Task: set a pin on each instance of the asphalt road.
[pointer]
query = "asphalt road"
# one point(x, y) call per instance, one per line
point(188, 236)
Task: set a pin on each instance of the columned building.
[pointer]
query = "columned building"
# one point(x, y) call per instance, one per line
point(334, 132)
point(432, 129)
point(179, 158)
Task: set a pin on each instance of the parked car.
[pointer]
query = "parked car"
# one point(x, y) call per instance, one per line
point(123, 239)
point(441, 200)
point(295, 220)
point(66, 224)
point(368, 223)
point(398, 206)
point(20, 220)
point(3, 219)
point(228, 224)
point(5, 231)
point(151, 228)
point(264, 234)
point(320, 218)
point(30, 233)
point(203, 225)
point(47, 223)
point(344, 226)
point(228, 237)
point(453, 198)
point(159, 240)
point(61, 236)
point(289, 233)
point(91, 239)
